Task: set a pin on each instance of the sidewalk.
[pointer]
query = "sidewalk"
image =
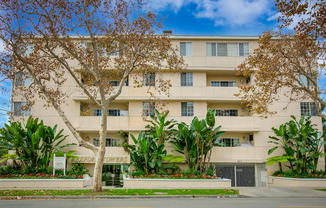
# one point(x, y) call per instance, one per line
point(264, 192)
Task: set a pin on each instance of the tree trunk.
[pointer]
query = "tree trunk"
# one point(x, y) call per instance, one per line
point(99, 155)
point(210, 151)
point(280, 166)
point(97, 181)
point(315, 164)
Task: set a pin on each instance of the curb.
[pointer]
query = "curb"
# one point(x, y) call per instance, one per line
point(117, 197)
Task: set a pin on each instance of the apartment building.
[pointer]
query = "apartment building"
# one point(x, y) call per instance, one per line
point(209, 82)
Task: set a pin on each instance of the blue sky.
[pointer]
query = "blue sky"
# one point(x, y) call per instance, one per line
point(204, 17)
point(216, 17)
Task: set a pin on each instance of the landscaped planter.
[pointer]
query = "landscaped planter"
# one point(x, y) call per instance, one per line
point(46, 183)
point(274, 181)
point(139, 183)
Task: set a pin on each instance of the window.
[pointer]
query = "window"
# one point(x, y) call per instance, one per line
point(243, 49)
point(308, 109)
point(116, 83)
point(185, 49)
point(96, 142)
point(149, 79)
point(148, 108)
point(248, 80)
point(113, 112)
point(22, 80)
point(116, 50)
point(226, 112)
point(21, 109)
point(230, 142)
point(186, 79)
point(109, 142)
point(112, 142)
point(97, 112)
point(124, 113)
point(110, 112)
point(227, 49)
point(187, 108)
point(224, 84)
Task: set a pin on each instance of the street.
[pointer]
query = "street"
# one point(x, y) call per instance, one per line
point(170, 203)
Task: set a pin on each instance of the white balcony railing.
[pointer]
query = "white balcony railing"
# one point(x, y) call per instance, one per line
point(239, 123)
point(177, 92)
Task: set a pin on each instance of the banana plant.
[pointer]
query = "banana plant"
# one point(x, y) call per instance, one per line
point(317, 152)
point(11, 138)
point(185, 143)
point(196, 141)
point(301, 144)
point(145, 154)
point(284, 141)
point(34, 144)
point(136, 156)
point(199, 130)
point(213, 134)
point(160, 128)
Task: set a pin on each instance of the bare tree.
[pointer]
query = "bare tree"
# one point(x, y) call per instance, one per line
point(51, 40)
point(288, 60)
point(282, 65)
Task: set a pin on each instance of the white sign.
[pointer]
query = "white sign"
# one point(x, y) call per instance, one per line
point(59, 163)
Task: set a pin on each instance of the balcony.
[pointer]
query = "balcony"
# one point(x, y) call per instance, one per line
point(93, 123)
point(176, 93)
point(214, 62)
point(239, 154)
point(112, 155)
point(239, 123)
point(207, 93)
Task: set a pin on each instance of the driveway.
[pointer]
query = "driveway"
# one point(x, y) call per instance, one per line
point(281, 192)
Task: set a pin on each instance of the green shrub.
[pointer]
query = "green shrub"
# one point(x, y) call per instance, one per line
point(9, 169)
point(191, 172)
point(210, 172)
point(58, 172)
point(34, 143)
point(3, 152)
point(138, 173)
point(293, 174)
point(278, 172)
point(78, 169)
point(170, 169)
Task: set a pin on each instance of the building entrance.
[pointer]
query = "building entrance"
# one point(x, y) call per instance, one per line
point(243, 174)
point(112, 174)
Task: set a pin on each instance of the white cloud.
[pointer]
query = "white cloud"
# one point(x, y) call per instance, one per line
point(274, 17)
point(233, 12)
point(296, 18)
point(159, 5)
point(222, 12)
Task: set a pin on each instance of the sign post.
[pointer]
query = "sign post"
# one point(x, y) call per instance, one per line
point(59, 163)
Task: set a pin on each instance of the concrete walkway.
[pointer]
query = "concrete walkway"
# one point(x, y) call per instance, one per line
point(264, 192)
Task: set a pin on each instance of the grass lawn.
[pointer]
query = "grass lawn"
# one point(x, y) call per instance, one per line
point(119, 192)
point(321, 189)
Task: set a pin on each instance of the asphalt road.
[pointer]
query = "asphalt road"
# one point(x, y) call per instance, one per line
point(170, 203)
